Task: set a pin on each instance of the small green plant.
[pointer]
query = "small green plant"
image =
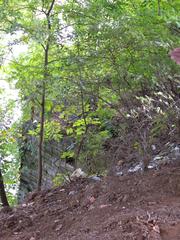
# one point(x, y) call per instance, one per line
point(60, 179)
point(52, 131)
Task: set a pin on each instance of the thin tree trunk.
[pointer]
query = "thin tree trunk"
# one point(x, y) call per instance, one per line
point(2, 192)
point(43, 99)
point(159, 7)
point(41, 139)
point(82, 108)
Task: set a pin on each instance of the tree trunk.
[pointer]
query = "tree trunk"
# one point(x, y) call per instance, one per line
point(43, 100)
point(41, 135)
point(41, 139)
point(2, 192)
point(159, 7)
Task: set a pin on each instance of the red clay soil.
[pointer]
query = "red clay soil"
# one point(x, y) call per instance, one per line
point(133, 207)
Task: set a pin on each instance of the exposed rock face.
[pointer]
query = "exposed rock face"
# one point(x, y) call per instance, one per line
point(52, 164)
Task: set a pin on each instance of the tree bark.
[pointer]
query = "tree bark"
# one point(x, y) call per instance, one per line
point(159, 7)
point(43, 99)
point(41, 139)
point(2, 192)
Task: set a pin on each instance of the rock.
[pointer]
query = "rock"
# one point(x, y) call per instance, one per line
point(119, 173)
point(136, 168)
point(59, 227)
point(177, 152)
point(120, 162)
point(77, 174)
point(125, 198)
point(92, 199)
point(95, 178)
point(105, 205)
point(72, 193)
point(153, 147)
point(91, 208)
point(29, 158)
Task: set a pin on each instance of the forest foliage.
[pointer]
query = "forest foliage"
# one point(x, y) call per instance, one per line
point(84, 59)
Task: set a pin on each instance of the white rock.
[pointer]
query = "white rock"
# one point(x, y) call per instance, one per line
point(177, 151)
point(95, 178)
point(153, 147)
point(77, 174)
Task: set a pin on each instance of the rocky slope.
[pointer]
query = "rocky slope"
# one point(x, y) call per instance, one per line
point(136, 206)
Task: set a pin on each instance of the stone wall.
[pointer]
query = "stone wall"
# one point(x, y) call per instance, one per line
point(52, 164)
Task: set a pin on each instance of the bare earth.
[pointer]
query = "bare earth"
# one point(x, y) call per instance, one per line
point(133, 207)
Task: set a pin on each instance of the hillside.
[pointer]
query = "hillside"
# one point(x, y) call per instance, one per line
point(90, 86)
point(136, 206)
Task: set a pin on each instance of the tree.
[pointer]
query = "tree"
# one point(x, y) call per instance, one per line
point(46, 47)
point(2, 192)
point(8, 153)
point(110, 54)
point(41, 76)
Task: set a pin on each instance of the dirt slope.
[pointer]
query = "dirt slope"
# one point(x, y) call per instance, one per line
point(127, 207)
